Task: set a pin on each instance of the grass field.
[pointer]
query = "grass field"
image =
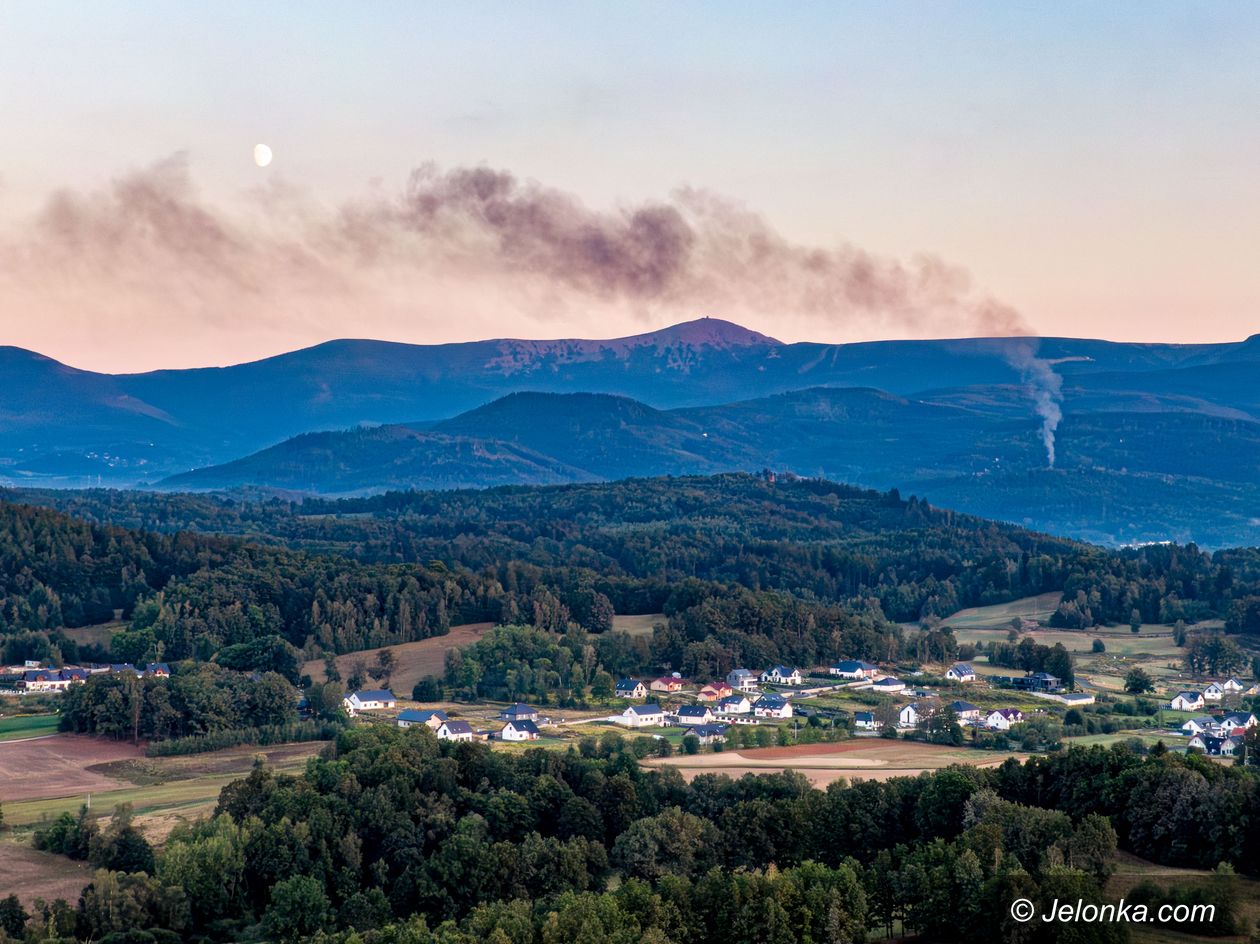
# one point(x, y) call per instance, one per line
point(638, 625)
point(31, 874)
point(98, 634)
point(27, 726)
point(414, 660)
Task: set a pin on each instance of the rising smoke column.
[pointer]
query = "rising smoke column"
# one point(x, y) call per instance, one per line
point(1044, 386)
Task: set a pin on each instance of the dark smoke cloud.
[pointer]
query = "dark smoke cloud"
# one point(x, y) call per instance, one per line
point(474, 248)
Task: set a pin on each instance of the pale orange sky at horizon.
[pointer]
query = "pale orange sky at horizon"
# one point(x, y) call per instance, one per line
point(834, 174)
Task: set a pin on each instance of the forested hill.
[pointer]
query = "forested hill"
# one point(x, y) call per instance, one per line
point(644, 545)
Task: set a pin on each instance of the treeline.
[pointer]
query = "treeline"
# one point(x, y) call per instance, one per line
point(1031, 656)
point(633, 541)
point(291, 733)
point(399, 837)
point(197, 701)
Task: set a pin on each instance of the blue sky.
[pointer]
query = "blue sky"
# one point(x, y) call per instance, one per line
point(1093, 165)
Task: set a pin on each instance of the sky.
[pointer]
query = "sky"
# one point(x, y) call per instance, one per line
point(443, 172)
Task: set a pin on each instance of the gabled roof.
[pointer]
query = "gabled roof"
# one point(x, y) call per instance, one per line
point(853, 665)
point(866, 716)
point(420, 717)
point(646, 709)
point(158, 667)
point(1238, 717)
point(733, 700)
point(1189, 696)
point(457, 727)
point(629, 683)
point(528, 727)
point(375, 694)
point(693, 711)
point(960, 706)
point(1009, 713)
point(782, 670)
point(770, 701)
point(709, 730)
point(962, 668)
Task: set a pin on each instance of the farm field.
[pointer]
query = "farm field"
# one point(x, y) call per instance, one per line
point(98, 634)
point(822, 764)
point(414, 660)
point(27, 726)
point(57, 766)
point(163, 790)
point(30, 874)
point(999, 615)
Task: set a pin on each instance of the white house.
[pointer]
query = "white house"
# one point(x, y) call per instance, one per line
point(772, 706)
point(631, 688)
point(695, 714)
point(735, 705)
point(430, 719)
point(865, 721)
point(519, 712)
point(1186, 701)
point(1003, 719)
point(709, 733)
point(642, 716)
point(782, 675)
point(455, 731)
point(742, 680)
point(911, 716)
point(1199, 725)
point(1232, 686)
point(853, 669)
point(1240, 719)
point(372, 700)
point(1213, 692)
point(519, 731)
point(965, 710)
point(960, 672)
point(889, 685)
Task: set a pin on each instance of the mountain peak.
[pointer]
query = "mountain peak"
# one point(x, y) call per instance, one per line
point(709, 332)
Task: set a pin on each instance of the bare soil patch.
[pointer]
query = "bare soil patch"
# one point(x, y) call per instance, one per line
point(58, 766)
point(30, 874)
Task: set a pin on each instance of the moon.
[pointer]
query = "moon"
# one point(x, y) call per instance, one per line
point(262, 155)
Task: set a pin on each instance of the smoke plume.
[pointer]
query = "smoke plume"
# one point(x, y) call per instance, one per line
point(146, 272)
point(1044, 386)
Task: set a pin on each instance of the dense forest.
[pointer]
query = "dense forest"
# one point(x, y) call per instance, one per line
point(401, 838)
point(813, 539)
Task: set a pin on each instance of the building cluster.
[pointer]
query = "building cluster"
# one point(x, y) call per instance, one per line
point(43, 680)
point(1219, 736)
point(1213, 693)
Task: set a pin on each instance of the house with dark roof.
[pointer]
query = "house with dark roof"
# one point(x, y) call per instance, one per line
point(709, 733)
point(1002, 719)
point(519, 712)
point(631, 688)
point(695, 714)
point(158, 670)
point(782, 675)
point(431, 719)
point(642, 716)
point(865, 721)
point(455, 731)
point(520, 731)
point(889, 685)
point(961, 672)
point(1187, 701)
point(772, 706)
point(52, 680)
point(735, 705)
point(370, 700)
point(853, 669)
point(965, 710)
